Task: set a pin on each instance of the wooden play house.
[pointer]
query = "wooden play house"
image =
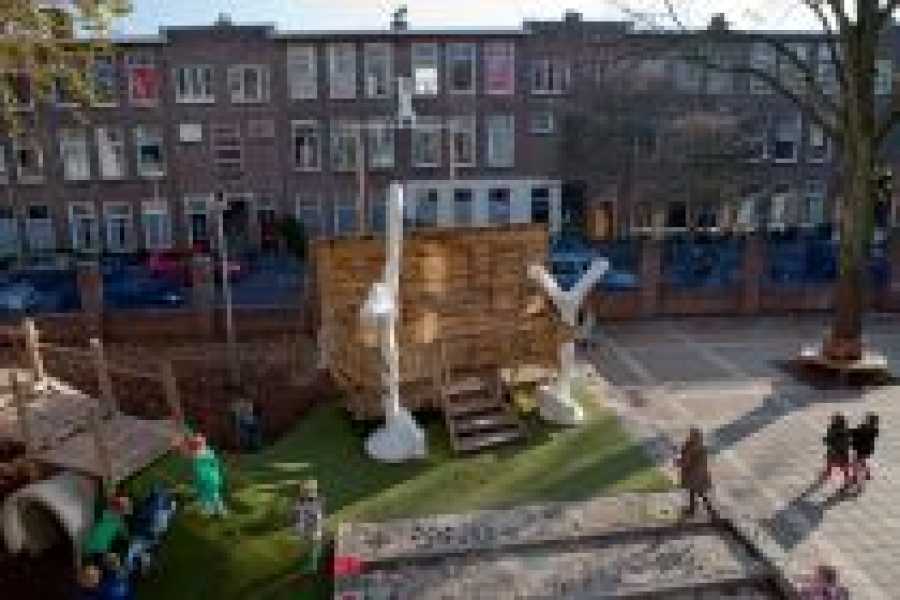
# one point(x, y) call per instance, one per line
point(467, 309)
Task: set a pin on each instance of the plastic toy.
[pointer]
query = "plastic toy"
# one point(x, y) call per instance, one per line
point(108, 529)
point(151, 521)
point(308, 517)
point(115, 584)
point(208, 478)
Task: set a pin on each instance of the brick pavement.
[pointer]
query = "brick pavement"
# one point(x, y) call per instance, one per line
point(764, 430)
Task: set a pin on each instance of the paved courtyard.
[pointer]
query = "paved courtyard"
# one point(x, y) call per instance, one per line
point(764, 431)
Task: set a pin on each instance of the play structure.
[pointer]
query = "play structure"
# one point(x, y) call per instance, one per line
point(468, 321)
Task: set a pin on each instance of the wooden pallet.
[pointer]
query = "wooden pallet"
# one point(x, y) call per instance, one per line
point(476, 416)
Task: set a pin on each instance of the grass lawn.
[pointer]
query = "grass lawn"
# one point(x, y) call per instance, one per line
point(252, 553)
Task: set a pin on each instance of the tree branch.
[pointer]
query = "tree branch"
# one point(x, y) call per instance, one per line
point(816, 7)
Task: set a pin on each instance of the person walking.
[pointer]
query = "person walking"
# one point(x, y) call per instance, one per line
point(694, 468)
point(837, 448)
point(862, 439)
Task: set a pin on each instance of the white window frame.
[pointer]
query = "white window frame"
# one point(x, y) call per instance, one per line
point(142, 60)
point(378, 69)
point(431, 197)
point(344, 131)
point(226, 137)
point(190, 133)
point(815, 132)
point(159, 207)
point(73, 154)
point(550, 76)
point(458, 53)
point(502, 53)
point(762, 58)
point(76, 221)
point(425, 69)
point(747, 218)
point(109, 59)
point(470, 202)
point(40, 236)
point(688, 77)
point(789, 74)
point(780, 207)
point(309, 210)
point(497, 125)
point(814, 190)
point(826, 71)
point(314, 129)
point(110, 151)
point(797, 128)
point(463, 126)
point(381, 136)
point(427, 126)
point(198, 80)
point(345, 206)
point(199, 204)
point(549, 122)
point(237, 84)
point(884, 73)
point(492, 221)
point(302, 72)
point(114, 212)
point(142, 137)
point(342, 71)
point(35, 146)
point(59, 89)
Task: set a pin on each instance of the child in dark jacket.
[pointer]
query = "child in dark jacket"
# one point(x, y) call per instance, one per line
point(837, 448)
point(863, 441)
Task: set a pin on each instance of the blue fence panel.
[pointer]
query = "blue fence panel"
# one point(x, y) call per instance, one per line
point(702, 263)
point(39, 290)
point(130, 282)
point(800, 261)
point(264, 281)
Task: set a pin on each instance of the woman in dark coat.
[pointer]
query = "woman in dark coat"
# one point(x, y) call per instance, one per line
point(694, 466)
point(862, 438)
point(837, 448)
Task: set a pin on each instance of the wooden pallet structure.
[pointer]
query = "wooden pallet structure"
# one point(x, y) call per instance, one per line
point(466, 307)
point(63, 427)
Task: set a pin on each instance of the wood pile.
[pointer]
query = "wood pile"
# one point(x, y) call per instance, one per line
point(466, 304)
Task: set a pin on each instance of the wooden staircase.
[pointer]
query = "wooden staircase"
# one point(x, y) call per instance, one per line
point(476, 415)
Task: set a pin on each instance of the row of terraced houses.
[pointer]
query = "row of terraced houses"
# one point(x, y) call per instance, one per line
point(306, 124)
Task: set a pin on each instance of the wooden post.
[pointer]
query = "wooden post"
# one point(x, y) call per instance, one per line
point(108, 400)
point(104, 460)
point(34, 351)
point(22, 412)
point(171, 390)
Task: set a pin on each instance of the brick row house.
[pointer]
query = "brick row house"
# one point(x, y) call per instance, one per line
point(563, 122)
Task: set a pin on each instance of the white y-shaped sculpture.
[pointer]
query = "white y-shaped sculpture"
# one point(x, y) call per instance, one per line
point(555, 401)
point(400, 438)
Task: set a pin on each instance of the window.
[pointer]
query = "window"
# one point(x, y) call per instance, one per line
point(248, 84)
point(550, 76)
point(762, 59)
point(426, 142)
point(345, 215)
point(39, 229)
point(105, 81)
point(63, 94)
point(381, 144)
point(425, 69)
point(29, 160)
point(720, 81)
point(676, 215)
point(688, 75)
point(342, 70)
point(74, 154)
point(814, 204)
point(501, 140)
point(787, 137)
point(260, 129)
point(148, 142)
point(309, 213)
point(541, 121)
point(156, 224)
point(302, 72)
point(111, 152)
point(462, 141)
point(755, 137)
point(143, 79)
point(9, 232)
point(819, 148)
point(226, 147)
point(307, 146)
point(462, 206)
point(378, 211)
point(499, 68)
point(118, 226)
point(83, 227)
point(642, 216)
point(650, 74)
point(883, 76)
point(426, 207)
point(705, 216)
point(540, 205)
point(827, 71)
point(194, 84)
point(498, 206)
point(789, 73)
point(778, 211)
point(379, 70)
point(190, 133)
point(461, 68)
point(196, 209)
point(345, 137)
point(19, 85)
point(747, 212)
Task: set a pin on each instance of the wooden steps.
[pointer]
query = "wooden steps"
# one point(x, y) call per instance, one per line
point(476, 415)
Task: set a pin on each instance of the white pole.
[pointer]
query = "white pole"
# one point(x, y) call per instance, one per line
point(226, 290)
point(361, 171)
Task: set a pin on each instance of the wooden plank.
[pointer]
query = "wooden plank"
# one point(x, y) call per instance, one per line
point(170, 386)
point(107, 400)
point(32, 345)
point(22, 413)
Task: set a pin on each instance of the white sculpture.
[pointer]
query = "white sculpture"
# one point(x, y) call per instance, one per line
point(555, 401)
point(400, 438)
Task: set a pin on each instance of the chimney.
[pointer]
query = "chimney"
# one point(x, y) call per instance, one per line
point(718, 22)
point(398, 20)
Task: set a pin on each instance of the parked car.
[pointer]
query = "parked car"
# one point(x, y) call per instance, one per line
point(136, 291)
point(19, 296)
point(171, 267)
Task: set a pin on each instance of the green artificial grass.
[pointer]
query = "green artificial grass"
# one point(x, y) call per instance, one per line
point(253, 553)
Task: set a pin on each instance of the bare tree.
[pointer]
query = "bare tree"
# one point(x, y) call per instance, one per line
point(853, 33)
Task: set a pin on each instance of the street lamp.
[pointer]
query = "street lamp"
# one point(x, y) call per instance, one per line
point(233, 364)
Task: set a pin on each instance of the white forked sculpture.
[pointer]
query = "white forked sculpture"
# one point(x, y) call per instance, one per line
point(556, 402)
point(400, 438)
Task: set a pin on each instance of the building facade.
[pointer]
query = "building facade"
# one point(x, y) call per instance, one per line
point(562, 122)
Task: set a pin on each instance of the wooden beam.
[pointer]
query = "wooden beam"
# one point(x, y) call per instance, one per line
point(34, 350)
point(170, 386)
point(104, 382)
point(19, 398)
